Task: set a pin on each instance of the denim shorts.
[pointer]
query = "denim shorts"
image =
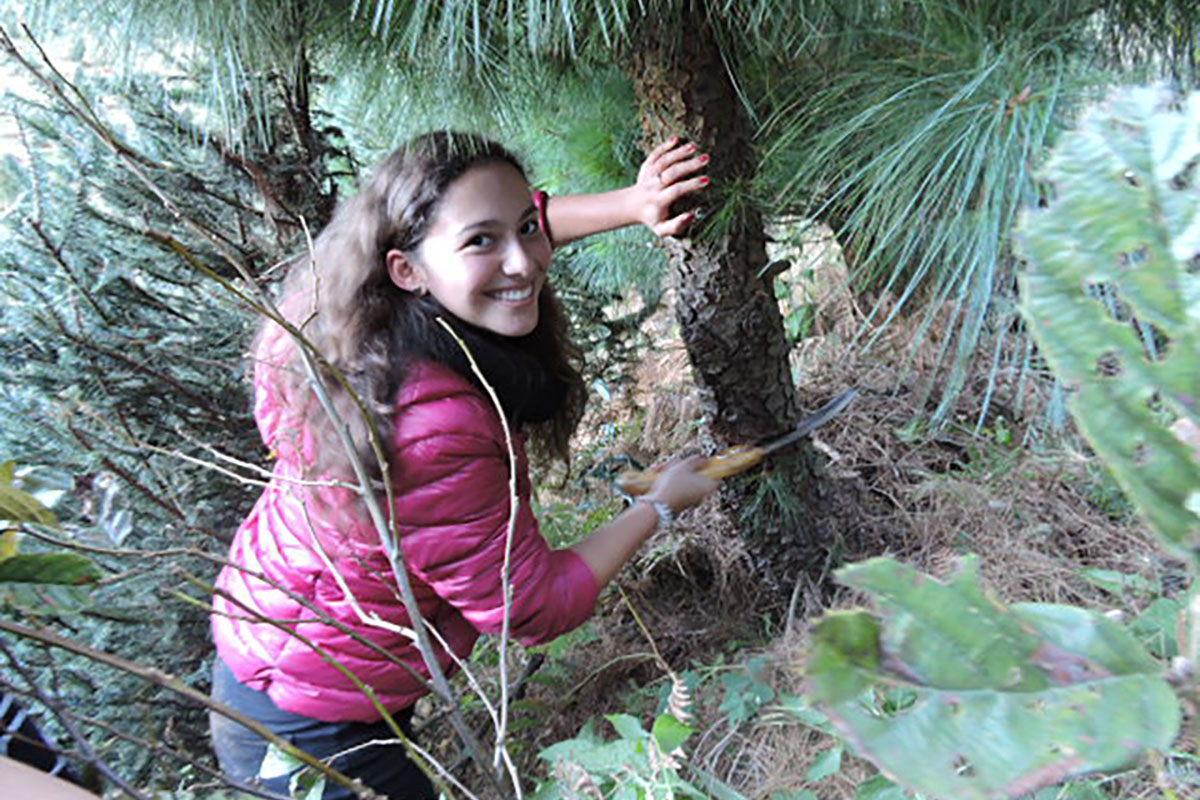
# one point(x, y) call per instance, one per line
point(385, 768)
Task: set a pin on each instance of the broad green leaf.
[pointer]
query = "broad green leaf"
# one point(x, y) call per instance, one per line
point(845, 655)
point(798, 706)
point(308, 785)
point(985, 744)
point(1077, 643)
point(1118, 583)
point(66, 568)
point(1071, 693)
point(628, 727)
point(669, 732)
point(880, 788)
point(595, 755)
point(1158, 627)
point(744, 695)
point(953, 634)
point(1113, 302)
point(824, 765)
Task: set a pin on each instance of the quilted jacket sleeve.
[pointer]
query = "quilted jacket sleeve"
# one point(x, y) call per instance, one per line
point(453, 500)
point(282, 431)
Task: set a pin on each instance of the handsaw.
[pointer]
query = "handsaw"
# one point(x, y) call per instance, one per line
point(743, 457)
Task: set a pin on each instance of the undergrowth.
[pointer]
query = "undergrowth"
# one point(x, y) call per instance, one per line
point(1053, 526)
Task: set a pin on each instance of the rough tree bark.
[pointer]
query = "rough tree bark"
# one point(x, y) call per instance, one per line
point(729, 318)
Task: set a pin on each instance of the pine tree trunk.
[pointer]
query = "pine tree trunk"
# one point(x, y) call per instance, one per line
point(728, 315)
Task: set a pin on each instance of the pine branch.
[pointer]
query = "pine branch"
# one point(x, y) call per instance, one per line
point(56, 255)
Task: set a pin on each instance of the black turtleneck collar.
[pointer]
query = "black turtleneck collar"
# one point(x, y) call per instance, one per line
point(527, 390)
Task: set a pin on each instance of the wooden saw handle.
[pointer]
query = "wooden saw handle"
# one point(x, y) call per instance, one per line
point(731, 462)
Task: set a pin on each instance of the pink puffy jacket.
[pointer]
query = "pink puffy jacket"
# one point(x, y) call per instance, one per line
point(450, 470)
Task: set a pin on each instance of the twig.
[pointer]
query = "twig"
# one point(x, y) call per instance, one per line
point(506, 573)
point(312, 362)
point(256, 616)
point(56, 254)
point(176, 685)
point(89, 754)
point(158, 747)
point(392, 549)
point(637, 618)
point(320, 615)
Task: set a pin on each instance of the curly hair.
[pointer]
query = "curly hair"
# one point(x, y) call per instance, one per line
point(369, 330)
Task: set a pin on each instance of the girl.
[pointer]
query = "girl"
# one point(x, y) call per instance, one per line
point(447, 227)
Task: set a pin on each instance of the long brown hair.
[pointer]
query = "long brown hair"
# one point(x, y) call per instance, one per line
point(368, 329)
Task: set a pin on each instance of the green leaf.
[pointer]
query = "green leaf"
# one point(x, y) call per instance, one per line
point(798, 706)
point(1158, 627)
point(1118, 583)
point(628, 727)
point(611, 759)
point(669, 732)
point(1072, 692)
point(960, 636)
point(20, 506)
point(744, 694)
point(277, 763)
point(65, 568)
point(1113, 302)
point(824, 765)
point(307, 785)
point(845, 654)
point(879, 788)
point(589, 751)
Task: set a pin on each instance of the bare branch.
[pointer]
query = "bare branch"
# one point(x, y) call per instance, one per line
point(174, 684)
point(88, 753)
point(314, 364)
point(501, 750)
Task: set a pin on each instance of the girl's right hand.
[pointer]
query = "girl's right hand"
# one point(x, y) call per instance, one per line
point(682, 485)
point(667, 174)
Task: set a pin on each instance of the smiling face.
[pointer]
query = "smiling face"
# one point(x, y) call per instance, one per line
point(484, 256)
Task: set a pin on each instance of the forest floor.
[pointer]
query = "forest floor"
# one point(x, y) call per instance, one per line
point(1049, 526)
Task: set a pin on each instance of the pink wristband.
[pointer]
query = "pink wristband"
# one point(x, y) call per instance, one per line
point(540, 201)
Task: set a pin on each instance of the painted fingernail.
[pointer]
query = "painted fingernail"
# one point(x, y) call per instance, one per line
point(704, 158)
point(704, 181)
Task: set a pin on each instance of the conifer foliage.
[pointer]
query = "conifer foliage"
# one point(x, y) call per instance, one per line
point(123, 355)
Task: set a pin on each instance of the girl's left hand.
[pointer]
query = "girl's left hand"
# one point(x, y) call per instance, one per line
point(668, 174)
